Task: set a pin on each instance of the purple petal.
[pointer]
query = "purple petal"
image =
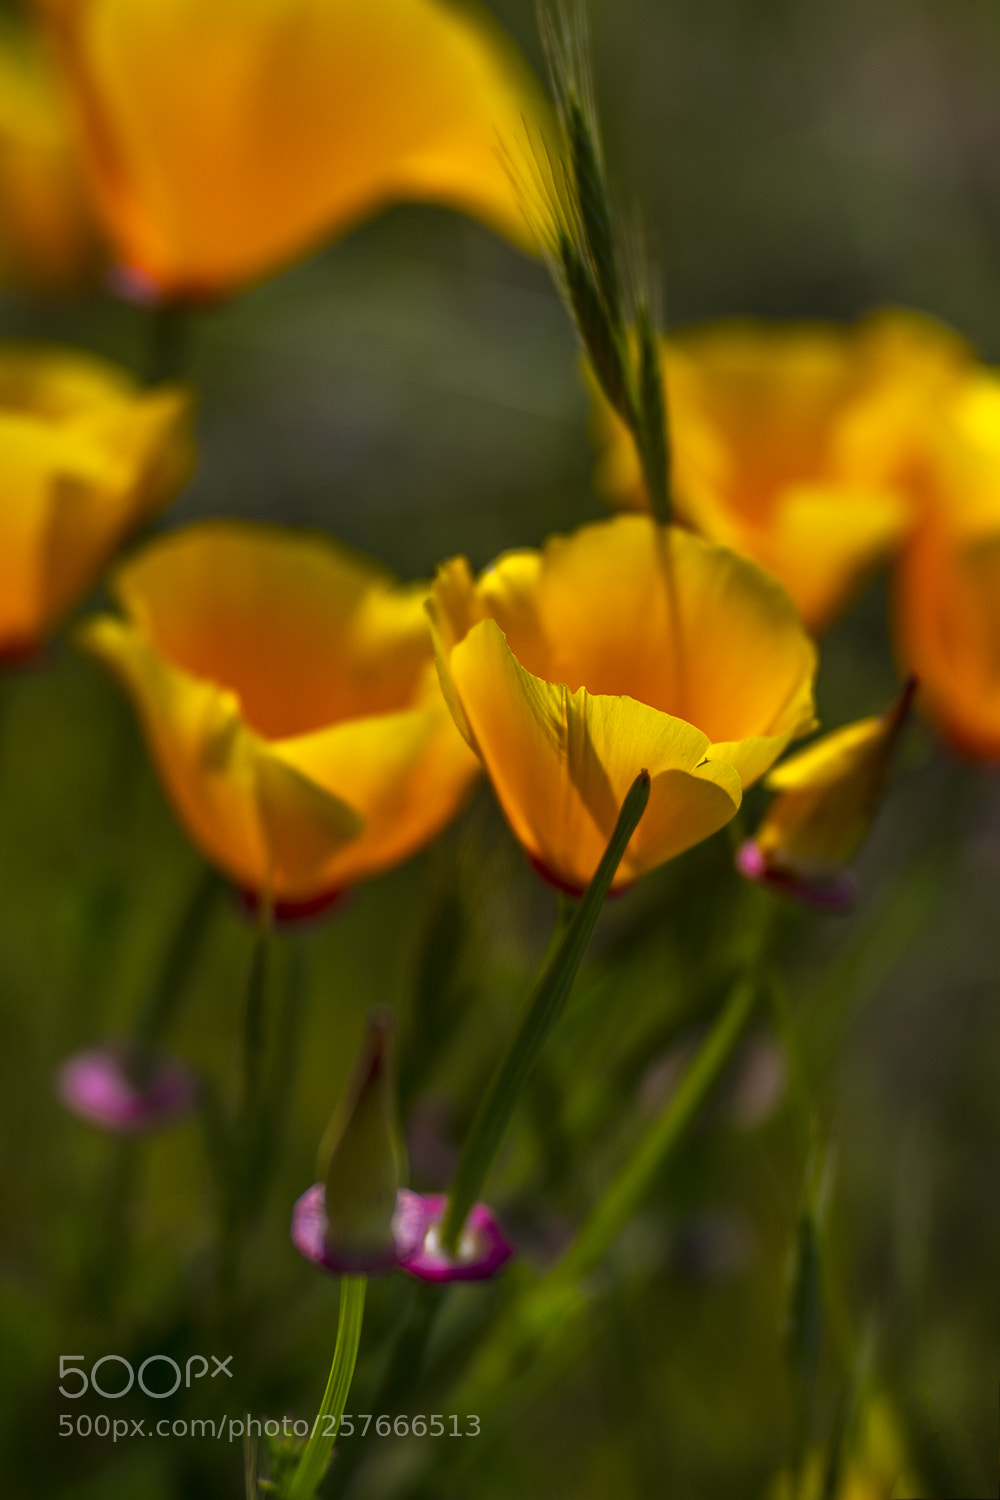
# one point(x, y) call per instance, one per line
point(482, 1249)
point(99, 1086)
point(309, 1226)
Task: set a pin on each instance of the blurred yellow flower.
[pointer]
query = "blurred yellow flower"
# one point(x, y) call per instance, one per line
point(622, 646)
point(85, 456)
point(948, 596)
point(224, 140)
point(796, 444)
point(877, 1468)
point(828, 795)
point(288, 693)
point(48, 237)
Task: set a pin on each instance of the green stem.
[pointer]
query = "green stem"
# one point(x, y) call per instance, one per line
point(319, 1448)
point(403, 1370)
point(543, 1008)
point(238, 1149)
point(163, 998)
point(255, 1023)
point(515, 1366)
point(637, 1176)
point(167, 342)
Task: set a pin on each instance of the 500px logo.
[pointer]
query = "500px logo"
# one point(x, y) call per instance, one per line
point(81, 1382)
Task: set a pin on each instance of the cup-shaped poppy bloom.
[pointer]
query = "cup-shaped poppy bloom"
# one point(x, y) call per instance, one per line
point(85, 456)
point(948, 581)
point(48, 236)
point(828, 795)
point(288, 693)
point(224, 140)
point(796, 444)
point(621, 647)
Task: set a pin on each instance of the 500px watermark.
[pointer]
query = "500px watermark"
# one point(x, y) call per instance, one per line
point(194, 1368)
point(233, 1429)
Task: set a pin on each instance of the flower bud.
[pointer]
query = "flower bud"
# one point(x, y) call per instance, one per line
point(347, 1224)
point(828, 795)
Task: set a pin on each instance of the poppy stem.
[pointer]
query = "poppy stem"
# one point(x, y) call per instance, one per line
point(403, 1369)
point(167, 342)
point(162, 999)
point(319, 1448)
point(543, 1008)
point(633, 1182)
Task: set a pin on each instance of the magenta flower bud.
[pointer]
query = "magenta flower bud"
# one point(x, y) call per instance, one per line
point(827, 892)
point(309, 1235)
point(101, 1087)
point(482, 1249)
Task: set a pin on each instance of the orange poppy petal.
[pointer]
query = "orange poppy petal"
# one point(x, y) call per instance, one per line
point(225, 140)
point(306, 632)
point(405, 773)
point(825, 539)
point(84, 457)
point(562, 764)
point(252, 813)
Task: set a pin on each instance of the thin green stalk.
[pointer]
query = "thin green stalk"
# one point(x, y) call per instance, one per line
point(515, 1365)
point(543, 1008)
point(403, 1370)
point(167, 347)
point(637, 1176)
point(318, 1450)
point(238, 1148)
point(164, 995)
point(255, 1023)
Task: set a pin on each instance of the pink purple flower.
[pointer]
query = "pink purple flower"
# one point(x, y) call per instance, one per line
point(109, 1089)
point(309, 1235)
point(833, 892)
point(482, 1249)
point(416, 1235)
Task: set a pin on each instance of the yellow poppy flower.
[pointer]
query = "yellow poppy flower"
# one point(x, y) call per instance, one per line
point(288, 693)
point(828, 795)
point(85, 456)
point(620, 647)
point(795, 445)
point(48, 238)
point(224, 140)
point(948, 596)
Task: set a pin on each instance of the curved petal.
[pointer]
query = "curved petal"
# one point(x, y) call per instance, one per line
point(800, 445)
point(252, 813)
point(562, 763)
point(405, 774)
point(748, 664)
point(828, 794)
point(27, 457)
point(49, 237)
point(306, 632)
point(83, 458)
point(824, 539)
point(948, 623)
point(627, 607)
point(147, 458)
point(824, 762)
point(224, 140)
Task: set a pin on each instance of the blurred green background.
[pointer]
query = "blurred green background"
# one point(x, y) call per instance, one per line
point(415, 390)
